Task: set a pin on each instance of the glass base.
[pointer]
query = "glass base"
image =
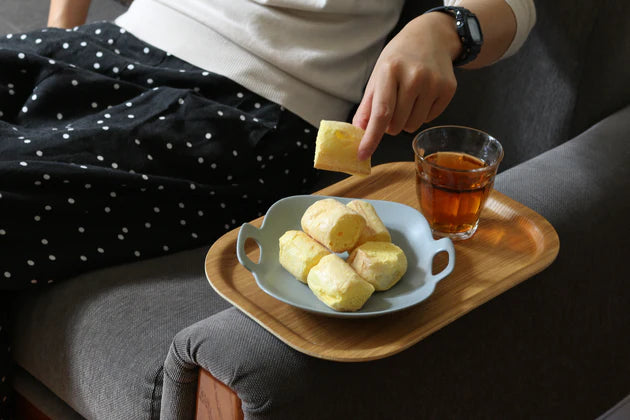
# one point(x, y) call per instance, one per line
point(458, 236)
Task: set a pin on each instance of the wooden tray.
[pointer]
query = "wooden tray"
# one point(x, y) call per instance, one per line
point(512, 244)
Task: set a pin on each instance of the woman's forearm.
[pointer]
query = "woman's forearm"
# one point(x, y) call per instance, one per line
point(67, 13)
point(498, 25)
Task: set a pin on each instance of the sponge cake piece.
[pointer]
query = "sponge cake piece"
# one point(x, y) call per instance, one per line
point(337, 146)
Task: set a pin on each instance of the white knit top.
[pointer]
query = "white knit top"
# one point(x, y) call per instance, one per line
point(311, 56)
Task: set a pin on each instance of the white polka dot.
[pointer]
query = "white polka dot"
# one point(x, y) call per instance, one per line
point(82, 166)
point(39, 153)
point(121, 237)
point(149, 157)
point(114, 165)
point(116, 86)
point(97, 65)
point(150, 81)
point(259, 158)
point(23, 163)
point(208, 136)
point(97, 32)
point(193, 186)
point(169, 146)
point(147, 225)
point(94, 105)
point(130, 116)
point(9, 36)
point(74, 83)
point(161, 117)
point(107, 209)
point(83, 258)
point(51, 257)
point(71, 200)
point(21, 56)
point(7, 274)
point(242, 117)
point(220, 113)
point(200, 213)
point(182, 222)
point(115, 70)
point(156, 209)
point(81, 229)
point(88, 186)
point(65, 45)
point(261, 180)
point(145, 177)
point(130, 67)
point(23, 37)
point(205, 73)
point(24, 109)
point(30, 262)
point(37, 218)
point(99, 157)
point(146, 50)
point(27, 141)
point(107, 115)
point(59, 116)
point(165, 247)
point(256, 105)
point(112, 194)
point(234, 152)
point(83, 44)
point(200, 159)
point(239, 95)
point(188, 144)
point(11, 92)
point(34, 97)
point(136, 253)
point(270, 157)
point(213, 165)
point(3, 232)
point(99, 122)
point(222, 205)
point(51, 61)
point(99, 54)
point(180, 101)
point(100, 250)
point(66, 136)
point(105, 128)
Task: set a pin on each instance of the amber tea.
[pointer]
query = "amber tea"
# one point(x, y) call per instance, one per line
point(453, 177)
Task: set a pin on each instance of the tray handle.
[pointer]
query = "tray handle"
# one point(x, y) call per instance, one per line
point(247, 231)
point(446, 245)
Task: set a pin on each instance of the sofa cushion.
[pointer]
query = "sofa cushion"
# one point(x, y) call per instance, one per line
point(98, 341)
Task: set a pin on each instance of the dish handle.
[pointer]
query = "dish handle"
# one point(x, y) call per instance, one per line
point(443, 245)
point(246, 232)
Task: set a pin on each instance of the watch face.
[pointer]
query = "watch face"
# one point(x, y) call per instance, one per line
point(473, 27)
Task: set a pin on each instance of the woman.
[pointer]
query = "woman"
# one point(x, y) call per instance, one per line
point(184, 119)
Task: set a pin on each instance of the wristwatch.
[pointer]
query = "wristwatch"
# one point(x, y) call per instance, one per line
point(468, 29)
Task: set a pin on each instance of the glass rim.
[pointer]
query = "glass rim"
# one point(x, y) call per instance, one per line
point(487, 168)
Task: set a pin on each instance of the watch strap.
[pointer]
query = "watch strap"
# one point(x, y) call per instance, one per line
point(470, 47)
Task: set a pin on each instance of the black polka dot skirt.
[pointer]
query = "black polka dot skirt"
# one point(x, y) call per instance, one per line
point(113, 151)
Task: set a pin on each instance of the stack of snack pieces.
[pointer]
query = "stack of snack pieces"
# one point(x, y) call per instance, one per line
point(330, 227)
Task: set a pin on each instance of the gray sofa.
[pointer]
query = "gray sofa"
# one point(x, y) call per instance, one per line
point(127, 342)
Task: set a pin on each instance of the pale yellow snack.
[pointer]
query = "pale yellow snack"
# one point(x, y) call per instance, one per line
point(336, 284)
point(299, 253)
point(382, 264)
point(336, 148)
point(332, 224)
point(375, 230)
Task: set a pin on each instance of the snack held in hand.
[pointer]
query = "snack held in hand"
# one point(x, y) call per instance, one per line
point(336, 284)
point(334, 225)
point(374, 229)
point(381, 264)
point(299, 253)
point(336, 148)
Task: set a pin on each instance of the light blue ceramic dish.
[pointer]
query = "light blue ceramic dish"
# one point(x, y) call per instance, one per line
point(409, 230)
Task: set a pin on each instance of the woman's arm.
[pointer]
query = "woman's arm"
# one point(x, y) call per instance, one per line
point(67, 13)
point(413, 80)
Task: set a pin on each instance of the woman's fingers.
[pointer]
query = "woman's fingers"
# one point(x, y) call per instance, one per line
point(382, 109)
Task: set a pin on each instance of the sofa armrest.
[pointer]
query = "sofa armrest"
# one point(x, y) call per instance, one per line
point(535, 351)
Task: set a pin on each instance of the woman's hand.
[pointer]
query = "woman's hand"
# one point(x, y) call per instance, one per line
point(412, 82)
